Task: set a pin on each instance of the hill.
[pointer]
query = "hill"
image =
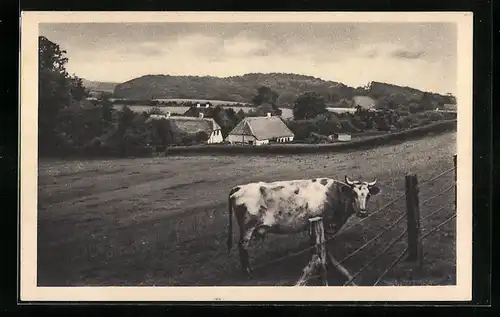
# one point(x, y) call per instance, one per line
point(243, 88)
point(99, 86)
point(235, 88)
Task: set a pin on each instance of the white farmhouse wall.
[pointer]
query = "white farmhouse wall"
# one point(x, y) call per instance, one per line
point(261, 142)
point(245, 139)
point(240, 138)
point(284, 139)
point(344, 137)
point(215, 137)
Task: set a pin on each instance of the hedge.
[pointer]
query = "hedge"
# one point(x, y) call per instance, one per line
point(368, 142)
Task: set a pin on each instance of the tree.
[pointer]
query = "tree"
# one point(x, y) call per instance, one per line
point(450, 99)
point(265, 95)
point(57, 90)
point(106, 108)
point(426, 102)
point(308, 106)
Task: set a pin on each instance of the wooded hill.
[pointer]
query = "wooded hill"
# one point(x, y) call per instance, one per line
point(243, 88)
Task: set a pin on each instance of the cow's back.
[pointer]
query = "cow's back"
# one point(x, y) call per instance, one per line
point(284, 206)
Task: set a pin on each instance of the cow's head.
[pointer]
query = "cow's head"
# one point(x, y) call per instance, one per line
point(359, 194)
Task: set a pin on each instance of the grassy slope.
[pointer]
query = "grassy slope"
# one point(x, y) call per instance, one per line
point(163, 221)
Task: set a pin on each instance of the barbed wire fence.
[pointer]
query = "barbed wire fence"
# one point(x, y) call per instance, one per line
point(413, 250)
point(322, 260)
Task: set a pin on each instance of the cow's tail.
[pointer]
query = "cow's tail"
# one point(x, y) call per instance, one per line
point(230, 227)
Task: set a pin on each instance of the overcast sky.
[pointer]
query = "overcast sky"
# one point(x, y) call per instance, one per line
point(418, 55)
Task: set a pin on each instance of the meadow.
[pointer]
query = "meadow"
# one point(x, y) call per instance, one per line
point(163, 220)
point(286, 112)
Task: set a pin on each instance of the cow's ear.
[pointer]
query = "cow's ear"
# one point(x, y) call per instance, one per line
point(374, 190)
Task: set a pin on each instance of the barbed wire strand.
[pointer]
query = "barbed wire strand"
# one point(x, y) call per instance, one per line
point(396, 261)
point(438, 194)
point(330, 238)
point(391, 266)
point(437, 176)
point(438, 226)
point(386, 229)
point(435, 212)
point(390, 203)
point(362, 220)
point(376, 258)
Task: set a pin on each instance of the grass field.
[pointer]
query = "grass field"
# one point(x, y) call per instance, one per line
point(286, 112)
point(163, 221)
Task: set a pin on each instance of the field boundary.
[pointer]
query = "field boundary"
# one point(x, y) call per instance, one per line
point(365, 143)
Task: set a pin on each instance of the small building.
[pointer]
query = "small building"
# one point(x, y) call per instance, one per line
point(342, 137)
point(193, 125)
point(260, 130)
point(341, 110)
point(206, 106)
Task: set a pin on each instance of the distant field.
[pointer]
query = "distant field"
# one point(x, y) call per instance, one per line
point(163, 221)
point(213, 102)
point(286, 112)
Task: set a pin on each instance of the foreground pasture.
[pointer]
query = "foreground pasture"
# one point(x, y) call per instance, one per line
point(163, 221)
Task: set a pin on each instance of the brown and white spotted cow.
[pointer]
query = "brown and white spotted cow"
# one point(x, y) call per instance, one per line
point(284, 207)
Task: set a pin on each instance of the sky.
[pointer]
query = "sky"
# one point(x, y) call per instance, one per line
point(418, 55)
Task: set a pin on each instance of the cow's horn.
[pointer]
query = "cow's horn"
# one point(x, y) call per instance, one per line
point(348, 181)
point(372, 183)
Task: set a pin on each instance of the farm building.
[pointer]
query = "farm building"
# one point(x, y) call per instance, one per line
point(341, 137)
point(341, 110)
point(260, 130)
point(193, 125)
point(364, 102)
point(207, 105)
point(447, 108)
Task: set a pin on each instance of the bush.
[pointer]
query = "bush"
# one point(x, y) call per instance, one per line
point(434, 115)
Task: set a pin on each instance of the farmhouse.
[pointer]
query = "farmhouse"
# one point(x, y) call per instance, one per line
point(260, 130)
point(193, 125)
point(341, 137)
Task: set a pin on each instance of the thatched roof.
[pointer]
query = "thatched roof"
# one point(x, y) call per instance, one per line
point(194, 125)
point(262, 128)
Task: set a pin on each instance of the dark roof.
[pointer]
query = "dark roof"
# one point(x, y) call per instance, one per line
point(194, 125)
point(262, 128)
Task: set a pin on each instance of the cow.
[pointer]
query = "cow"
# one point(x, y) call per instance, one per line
point(284, 207)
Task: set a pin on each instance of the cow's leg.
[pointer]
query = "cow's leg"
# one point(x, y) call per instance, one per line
point(243, 250)
point(260, 234)
point(312, 239)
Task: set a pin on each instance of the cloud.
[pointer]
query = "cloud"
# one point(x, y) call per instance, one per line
point(147, 49)
point(353, 56)
point(371, 54)
point(407, 54)
point(245, 46)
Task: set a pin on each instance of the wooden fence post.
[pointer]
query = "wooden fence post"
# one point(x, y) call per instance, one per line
point(413, 217)
point(455, 164)
point(318, 233)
